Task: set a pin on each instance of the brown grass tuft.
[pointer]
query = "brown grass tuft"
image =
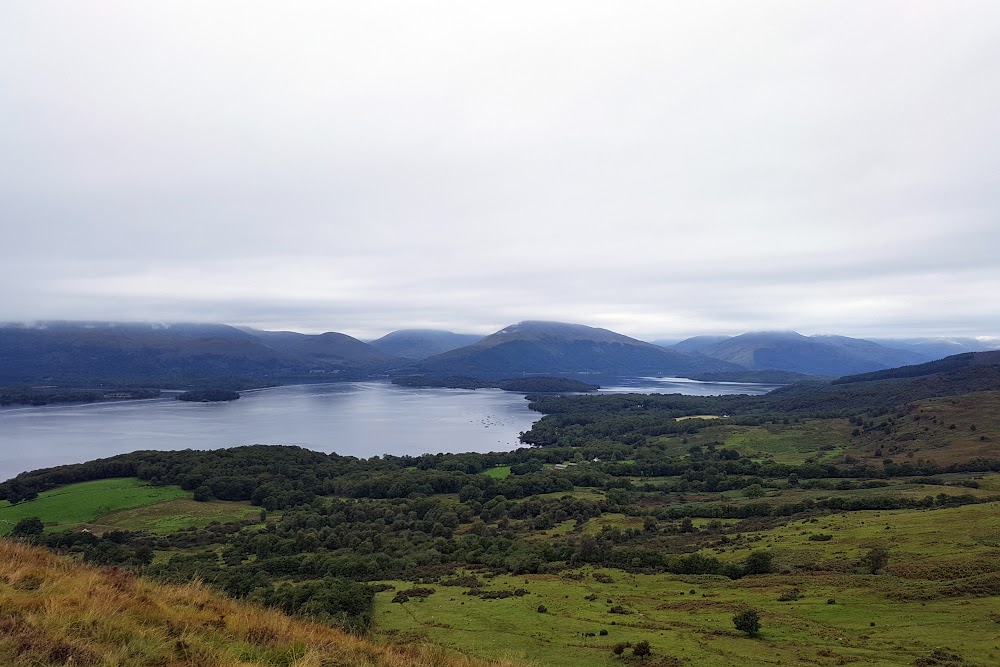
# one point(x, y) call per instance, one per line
point(55, 611)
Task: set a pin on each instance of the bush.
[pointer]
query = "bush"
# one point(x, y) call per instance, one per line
point(542, 609)
point(28, 528)
point(790, 596)
point(747, 621)
point(642, 649)
point(876, 559)
point(758, 562)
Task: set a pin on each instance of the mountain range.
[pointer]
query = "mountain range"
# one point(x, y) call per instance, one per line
point(163, 355)
point(791, 351)
point(560, 348)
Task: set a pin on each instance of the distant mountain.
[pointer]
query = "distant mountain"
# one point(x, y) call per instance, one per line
point(870, 351)
point(326, 349)
point(814, 355)
point(559, 348)
point(693, 344)
point(419, 344)
point(939, 348)
point(88, 353)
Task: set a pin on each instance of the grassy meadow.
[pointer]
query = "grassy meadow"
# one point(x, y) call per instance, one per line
point(837, 615)
point(122, 504)
point(77, 504)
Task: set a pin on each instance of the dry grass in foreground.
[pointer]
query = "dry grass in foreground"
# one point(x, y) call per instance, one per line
point(55, 611)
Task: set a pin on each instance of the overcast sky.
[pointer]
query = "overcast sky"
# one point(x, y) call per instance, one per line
point(659, 168)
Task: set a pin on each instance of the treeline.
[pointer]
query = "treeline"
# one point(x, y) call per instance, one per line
point(279, 477)
point(45, 396)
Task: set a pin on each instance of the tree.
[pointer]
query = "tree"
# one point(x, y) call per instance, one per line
point(758, 562)
point(747, 621)
point(876, 559)
point(642, 649)
point(28, 528)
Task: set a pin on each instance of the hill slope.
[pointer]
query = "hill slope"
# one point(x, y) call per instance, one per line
point(59, 612)
point(84, 353)
point(952, 363)
point(814, 355)
point(419, 344)
point(559, 348)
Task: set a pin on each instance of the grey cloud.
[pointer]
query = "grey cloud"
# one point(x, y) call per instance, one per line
point(659, 168)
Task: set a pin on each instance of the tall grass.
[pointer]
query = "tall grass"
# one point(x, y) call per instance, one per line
point(55, 611)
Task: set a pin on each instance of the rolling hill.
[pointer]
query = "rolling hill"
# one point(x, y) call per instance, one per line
point(560, 348)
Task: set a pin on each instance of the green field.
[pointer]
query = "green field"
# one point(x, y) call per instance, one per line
point(499, 472)
point(82, 503)
point(813, 439)
point(874, 619)
point(173, 515)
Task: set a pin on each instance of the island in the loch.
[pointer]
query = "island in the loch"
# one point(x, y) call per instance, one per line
point(208, 395)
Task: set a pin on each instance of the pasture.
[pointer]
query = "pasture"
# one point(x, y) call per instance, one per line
point(818, 608)
point(77, 504)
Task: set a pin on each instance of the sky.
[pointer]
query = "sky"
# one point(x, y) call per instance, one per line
point(662, 169)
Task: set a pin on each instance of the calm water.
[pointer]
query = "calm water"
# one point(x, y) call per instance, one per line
point(653, 385)
point(359, 419)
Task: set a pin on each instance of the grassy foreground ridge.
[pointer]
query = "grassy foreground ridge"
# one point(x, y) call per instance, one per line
point(56, 611)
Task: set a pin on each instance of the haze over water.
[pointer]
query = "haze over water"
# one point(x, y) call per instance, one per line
point(360, 419)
